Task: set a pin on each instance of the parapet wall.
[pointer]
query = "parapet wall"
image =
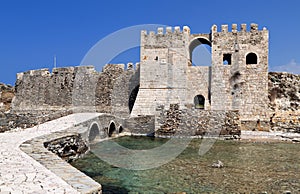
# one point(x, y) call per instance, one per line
point(165, 37)
point(234, 28)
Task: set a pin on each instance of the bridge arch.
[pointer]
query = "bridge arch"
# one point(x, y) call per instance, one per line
point(111, 129)
point(121, 129)
point(94, 132)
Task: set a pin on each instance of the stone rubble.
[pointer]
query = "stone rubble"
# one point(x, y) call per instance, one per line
point(68, 148)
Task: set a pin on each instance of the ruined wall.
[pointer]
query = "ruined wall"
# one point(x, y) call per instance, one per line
point(284, 104)
point(190, 122)
point(240, 86)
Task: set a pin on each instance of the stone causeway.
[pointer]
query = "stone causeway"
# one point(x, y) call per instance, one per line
point(41, 171)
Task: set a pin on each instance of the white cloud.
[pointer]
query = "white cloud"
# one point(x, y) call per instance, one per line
point(291, 67)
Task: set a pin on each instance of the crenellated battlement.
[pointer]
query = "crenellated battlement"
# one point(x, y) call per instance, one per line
point(167, 31)
point(165, 37)
point(234, 28)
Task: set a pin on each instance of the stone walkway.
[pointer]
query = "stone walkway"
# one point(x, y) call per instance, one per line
point(19, 173)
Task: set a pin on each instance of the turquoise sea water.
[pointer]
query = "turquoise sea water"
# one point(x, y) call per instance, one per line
point(249, 168)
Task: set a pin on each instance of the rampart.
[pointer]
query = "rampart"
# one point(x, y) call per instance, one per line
point(81, 89)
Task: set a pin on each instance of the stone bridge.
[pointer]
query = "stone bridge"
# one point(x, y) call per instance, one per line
point(27, 166)
point(107, 125)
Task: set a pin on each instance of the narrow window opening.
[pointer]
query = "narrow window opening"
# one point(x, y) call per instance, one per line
point(251, 58)
point(226, 59)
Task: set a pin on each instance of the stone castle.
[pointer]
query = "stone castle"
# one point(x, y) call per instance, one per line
point(232, 93)
point(167, 75)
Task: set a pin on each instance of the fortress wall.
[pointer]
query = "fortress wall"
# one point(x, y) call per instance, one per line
point(104, 86)
point(124, 88)
point(31, 87)
point(42, 91)
point(71, 88)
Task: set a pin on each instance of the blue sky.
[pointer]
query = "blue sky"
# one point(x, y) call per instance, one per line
point(32, 32)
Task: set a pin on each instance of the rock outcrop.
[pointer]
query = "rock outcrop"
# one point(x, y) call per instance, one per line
point(6, 96)
point(69, 148)
point(284, 96)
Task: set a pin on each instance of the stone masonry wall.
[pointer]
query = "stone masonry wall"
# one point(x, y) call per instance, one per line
point(199, 84)
point(191, 122)
point(72, 88)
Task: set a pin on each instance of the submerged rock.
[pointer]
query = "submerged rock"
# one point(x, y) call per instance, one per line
point(217, 164)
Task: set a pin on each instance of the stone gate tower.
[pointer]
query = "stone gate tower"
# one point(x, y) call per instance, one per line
point(163, 69)
point(236, 80)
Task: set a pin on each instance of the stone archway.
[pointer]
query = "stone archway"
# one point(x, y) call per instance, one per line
point(251, 58)
point(196, 43)
point(199, 102)
point(111, 129)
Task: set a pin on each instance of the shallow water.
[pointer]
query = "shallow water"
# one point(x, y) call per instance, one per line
point(249, 167)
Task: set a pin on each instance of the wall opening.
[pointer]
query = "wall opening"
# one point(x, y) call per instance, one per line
point(111, 129)
point(200, 52)
point(199, 101)
point(94, 132)
point(251, 58)
point(226, 59)
point(132, 98)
